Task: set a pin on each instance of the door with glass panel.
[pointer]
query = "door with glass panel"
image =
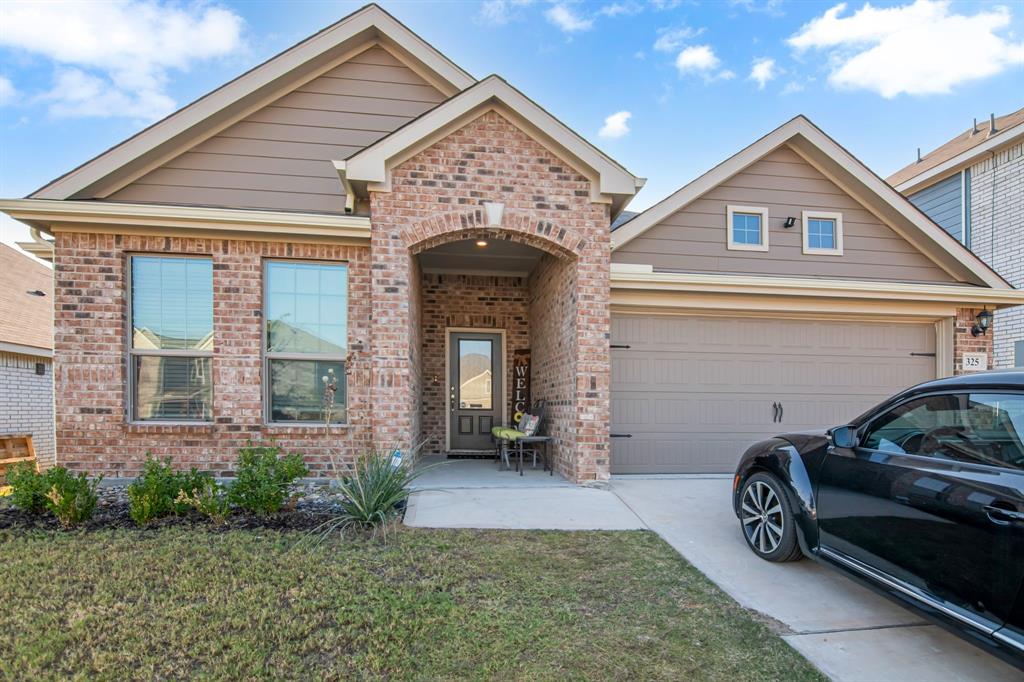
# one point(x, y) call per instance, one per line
point(474, 389)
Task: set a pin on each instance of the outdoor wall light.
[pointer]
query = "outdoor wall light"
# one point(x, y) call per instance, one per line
point(790, 222)
point(981, 323)
point(494, 213)
point(481, 243)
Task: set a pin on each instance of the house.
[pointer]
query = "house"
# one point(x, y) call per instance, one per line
point(973, 186)
point(26, 351)
point(325, 250)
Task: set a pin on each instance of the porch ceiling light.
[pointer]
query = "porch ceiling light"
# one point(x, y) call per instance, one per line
point(481, 242)
point(982, 322)
point(494, 212)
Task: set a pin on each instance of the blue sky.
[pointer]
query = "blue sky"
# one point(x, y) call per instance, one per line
point(668, 88)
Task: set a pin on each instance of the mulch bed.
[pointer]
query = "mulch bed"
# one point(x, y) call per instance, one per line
point(316, 505)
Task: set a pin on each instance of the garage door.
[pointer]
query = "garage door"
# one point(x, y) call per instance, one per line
point(692, 393)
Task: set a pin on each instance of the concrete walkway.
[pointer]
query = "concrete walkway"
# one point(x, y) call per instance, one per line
point(846, 630)
point(472, 493)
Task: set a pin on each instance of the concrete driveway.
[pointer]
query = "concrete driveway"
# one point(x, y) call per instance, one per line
point(846, 630)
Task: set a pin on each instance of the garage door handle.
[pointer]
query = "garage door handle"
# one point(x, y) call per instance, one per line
point(782, 412)
point(620, 435)
point(775, 413)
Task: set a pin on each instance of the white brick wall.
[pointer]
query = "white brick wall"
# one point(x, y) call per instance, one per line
point(26, 402)
point(997, 235)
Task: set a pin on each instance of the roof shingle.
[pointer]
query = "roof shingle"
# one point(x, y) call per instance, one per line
point(25, 319)
point(958, 145)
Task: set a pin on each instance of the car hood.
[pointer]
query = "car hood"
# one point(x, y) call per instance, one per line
point(805, 441)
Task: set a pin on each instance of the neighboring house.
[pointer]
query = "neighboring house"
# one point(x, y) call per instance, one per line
point(359, 206)
point(26, 351)
point(973, 186)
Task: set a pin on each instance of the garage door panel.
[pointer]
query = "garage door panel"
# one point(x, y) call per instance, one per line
point(695, 392)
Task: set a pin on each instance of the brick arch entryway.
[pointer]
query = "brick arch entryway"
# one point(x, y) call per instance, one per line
point(532, 312)
point(436, 197)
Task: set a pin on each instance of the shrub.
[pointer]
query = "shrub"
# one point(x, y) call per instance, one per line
point(263, 478)
point(208, 498)
point(72, 499)
point(28, 488)
point(154, 494)
point(375, 493)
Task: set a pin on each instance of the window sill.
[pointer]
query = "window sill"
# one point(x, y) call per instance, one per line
point(169, 427)
point(304, 429)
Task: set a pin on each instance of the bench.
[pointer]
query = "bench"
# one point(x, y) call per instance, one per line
point(14, 448)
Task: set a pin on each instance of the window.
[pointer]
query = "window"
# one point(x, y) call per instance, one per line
point(980, 428)
point(306, 341)
point(171, 347)
point(747, 227)
point(823, 233)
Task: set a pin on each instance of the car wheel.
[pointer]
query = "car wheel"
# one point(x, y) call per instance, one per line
point(767, 519)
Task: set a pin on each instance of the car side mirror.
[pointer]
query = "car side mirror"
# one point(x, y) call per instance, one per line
point(843, 437)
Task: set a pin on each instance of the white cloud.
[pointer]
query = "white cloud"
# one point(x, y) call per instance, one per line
point(793, 87)
point(671, 38)
point(701, 60)
point(114, 57)
point(769, 7)
point(763, 70)
point(7, 91)
point(616, 125)
point(615, 9)
point(567, 20)
point(917, 49)
point(500, 12)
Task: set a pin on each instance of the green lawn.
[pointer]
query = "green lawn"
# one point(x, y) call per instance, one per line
point(176, 602)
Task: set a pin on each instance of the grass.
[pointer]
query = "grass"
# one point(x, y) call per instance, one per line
point(175, 603)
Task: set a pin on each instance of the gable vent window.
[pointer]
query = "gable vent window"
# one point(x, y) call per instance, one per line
point(823, 233)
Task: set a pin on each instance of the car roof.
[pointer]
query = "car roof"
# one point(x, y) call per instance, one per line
point(1002, 378)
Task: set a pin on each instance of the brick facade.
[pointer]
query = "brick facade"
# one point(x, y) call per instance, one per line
point(26, 402)
point(965, 342)
point(435, 198)
point(90, 370)
point(474, 301)
point(997, 236)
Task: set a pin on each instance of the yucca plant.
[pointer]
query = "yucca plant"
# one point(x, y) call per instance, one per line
point(373, 494)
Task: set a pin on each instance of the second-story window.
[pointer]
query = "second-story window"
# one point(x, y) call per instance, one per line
point(747, 228)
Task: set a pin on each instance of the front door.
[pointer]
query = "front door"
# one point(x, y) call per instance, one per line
point(474, 389)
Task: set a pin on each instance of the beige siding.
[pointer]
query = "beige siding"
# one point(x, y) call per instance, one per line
point(280, 156)
point(694, 238)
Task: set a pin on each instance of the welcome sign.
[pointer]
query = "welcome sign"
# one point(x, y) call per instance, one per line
point(520, 383)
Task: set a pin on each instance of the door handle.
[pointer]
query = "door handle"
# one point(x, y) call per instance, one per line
point(775, 412)
point(1001, 515)
point(782, 412)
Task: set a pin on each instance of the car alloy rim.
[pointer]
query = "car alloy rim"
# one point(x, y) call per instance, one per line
point(762, 517)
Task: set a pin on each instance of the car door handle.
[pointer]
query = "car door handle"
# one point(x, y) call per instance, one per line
point(1001, 515)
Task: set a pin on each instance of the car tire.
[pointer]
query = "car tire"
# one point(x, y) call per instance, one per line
point(767, 519)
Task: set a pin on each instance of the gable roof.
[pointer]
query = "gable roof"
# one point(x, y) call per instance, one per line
point(846, 171)
point(959, 151)
point(609, 180)
point(26, 321)
point(257, 87)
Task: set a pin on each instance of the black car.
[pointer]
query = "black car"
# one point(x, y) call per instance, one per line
point(921, 497)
